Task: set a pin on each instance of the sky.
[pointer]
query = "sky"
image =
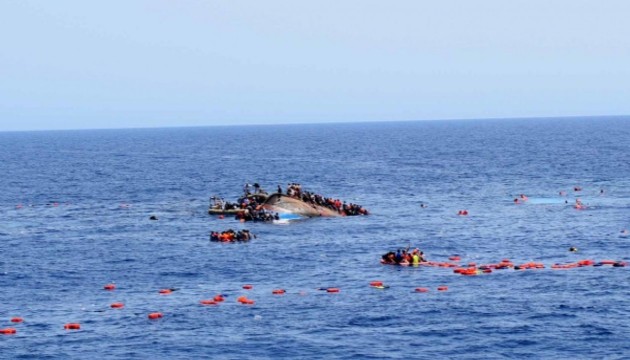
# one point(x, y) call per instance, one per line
point(157, 63)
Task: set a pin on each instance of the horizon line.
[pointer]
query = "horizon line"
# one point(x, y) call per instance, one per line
point(324, 123)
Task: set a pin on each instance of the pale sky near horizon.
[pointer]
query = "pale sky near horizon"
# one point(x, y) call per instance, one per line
point(150, 63)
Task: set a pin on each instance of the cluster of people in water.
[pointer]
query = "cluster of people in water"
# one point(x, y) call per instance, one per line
point(231, 235)
point(522, 198)
point(403, 257)
point(294, 190)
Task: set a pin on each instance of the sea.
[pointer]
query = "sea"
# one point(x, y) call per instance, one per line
point(75, 210)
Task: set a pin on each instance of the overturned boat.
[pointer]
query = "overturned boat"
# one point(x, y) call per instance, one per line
point(282, 204)
point(295, 204)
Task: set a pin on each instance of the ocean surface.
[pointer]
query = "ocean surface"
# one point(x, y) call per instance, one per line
point(75, 208)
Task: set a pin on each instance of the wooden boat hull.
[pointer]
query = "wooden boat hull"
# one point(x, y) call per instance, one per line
point(223, 212)
point(285, 204)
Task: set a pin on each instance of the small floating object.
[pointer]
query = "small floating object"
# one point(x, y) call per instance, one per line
point(153, 217)
point(562, 266)
point(462, 212)
point(72, 326)
point(468, 272)
point(278, 291)
point(422, 290)
point(8, 331)
point(376, 283)
point(155, 315)
point(17, 320)
point(117, 305)
point(208, 302)
point(245, 301)
point(219, 298)
point(247, 287)
point(166, 291)
point(442, 288)
point(573, 249)
point(109, 287)
point(332, 290)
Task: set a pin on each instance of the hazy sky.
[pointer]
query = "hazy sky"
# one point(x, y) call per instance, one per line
point(88, 64)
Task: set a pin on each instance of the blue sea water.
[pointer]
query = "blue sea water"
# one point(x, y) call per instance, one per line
point(74, 216)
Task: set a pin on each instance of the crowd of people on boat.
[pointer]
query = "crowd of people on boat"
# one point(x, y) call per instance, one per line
point(218, 203)
point(294, 190)
point(403, 257)
point(231, 235)
point(249, 207)
point(254, 189)
point(256, 213)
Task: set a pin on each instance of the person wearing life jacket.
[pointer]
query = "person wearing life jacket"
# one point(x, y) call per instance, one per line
point(406, 256)
point(415, 257)
point(578, 204)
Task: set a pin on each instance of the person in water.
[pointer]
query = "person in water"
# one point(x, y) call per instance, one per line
point(389, 258)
